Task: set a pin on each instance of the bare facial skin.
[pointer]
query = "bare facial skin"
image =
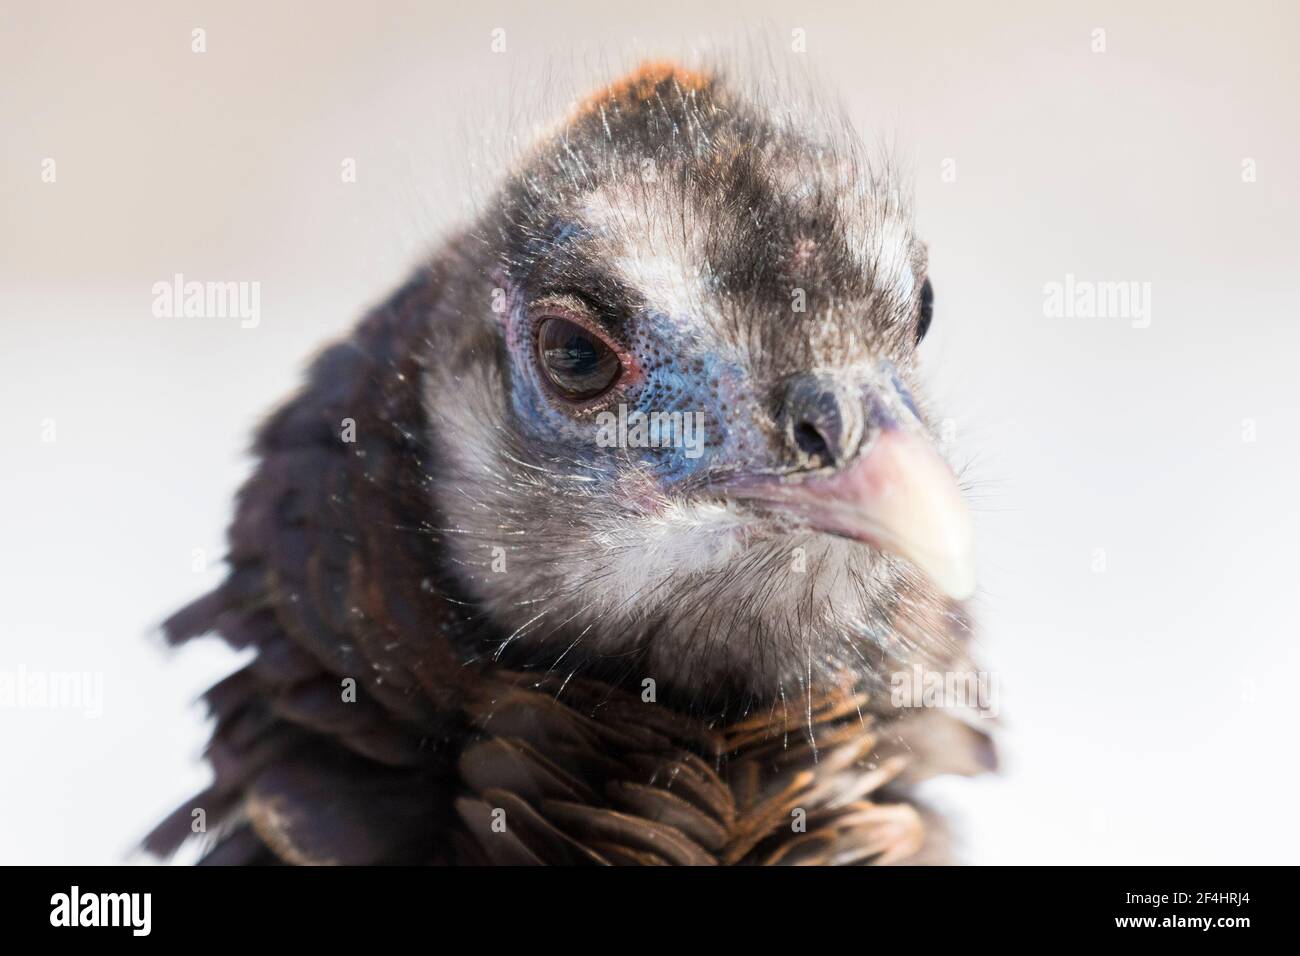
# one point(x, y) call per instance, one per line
point(637, 506)
point(677, 252)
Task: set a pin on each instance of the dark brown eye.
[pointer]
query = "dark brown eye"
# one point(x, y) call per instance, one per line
point(927, 311)
point(578, 364)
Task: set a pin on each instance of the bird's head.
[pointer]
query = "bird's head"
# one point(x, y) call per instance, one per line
point(678, 412)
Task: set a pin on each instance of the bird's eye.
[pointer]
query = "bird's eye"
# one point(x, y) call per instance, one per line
point(927, 311)
point(577, 362)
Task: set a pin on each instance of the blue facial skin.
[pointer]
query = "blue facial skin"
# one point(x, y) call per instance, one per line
point(677, 375)
point(676, 378)
point(685, 379)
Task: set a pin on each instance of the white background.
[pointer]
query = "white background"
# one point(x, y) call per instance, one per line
point(1147, 709)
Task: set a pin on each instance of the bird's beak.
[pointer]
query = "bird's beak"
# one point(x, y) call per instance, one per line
point(899, 496)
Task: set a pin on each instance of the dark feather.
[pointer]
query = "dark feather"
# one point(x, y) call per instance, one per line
point(339, 579)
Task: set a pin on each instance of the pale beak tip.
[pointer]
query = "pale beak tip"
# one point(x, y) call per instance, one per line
point(903, 497)
point(957, 579)
point(946, 555)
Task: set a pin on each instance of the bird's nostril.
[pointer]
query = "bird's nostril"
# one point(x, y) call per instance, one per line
point(809, 440)
point(823, 420)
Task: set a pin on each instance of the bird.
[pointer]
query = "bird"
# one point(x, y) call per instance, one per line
point(604, 538)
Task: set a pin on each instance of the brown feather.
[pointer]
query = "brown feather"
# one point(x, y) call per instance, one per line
point(337, 577)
